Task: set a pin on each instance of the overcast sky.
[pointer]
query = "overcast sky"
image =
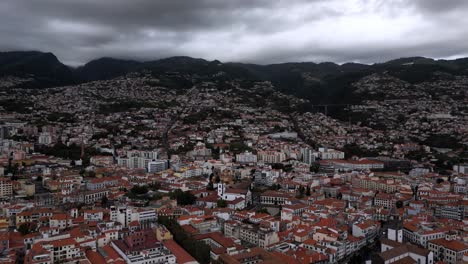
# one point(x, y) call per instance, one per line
point(259, 31)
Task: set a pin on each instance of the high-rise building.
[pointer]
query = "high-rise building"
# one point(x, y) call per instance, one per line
point(246, 157)
point(271, 156)
point(157, 165)
point(45, 138)
point(137, 159)
point(6, 187)
point(308, 155)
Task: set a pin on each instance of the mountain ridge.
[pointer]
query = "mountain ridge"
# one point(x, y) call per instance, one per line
point(320, 83)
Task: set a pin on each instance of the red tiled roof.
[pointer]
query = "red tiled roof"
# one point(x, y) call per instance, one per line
point(181, 255)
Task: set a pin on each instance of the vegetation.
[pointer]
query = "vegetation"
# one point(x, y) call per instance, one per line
point(262, 210)
point(195, 117)
point(355, 150)
point(124, 106)
point(314, 167)
point(399, 204)
point(24, 228)
point(61, 117)
point(183, 198)
point(19, 106)
point(139, 190)
point(301, 192)
point(442, 141)
point(198, 249)
point(239, 147)
point(61, 150)
point(221, 203)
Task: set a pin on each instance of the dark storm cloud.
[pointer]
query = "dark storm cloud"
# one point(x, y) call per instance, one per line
point(261, 31)
point(442, 6)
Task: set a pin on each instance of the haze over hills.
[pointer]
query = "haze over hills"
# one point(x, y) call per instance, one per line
point(325, 82)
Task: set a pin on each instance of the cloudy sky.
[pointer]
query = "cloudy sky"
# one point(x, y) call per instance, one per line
point(260, 31)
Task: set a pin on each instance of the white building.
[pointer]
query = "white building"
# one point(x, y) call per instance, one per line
point(246, 157)
point(233, 194)
point(143, 254)
point(137, 159)
point(308, 155)
point(157, 165)
point(461, 168)
point(125, 215)
point(45, 138)
point(271, 156)
point(325, 154)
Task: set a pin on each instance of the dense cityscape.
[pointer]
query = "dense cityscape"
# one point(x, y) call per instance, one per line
point(233, 132)
point(144, 168)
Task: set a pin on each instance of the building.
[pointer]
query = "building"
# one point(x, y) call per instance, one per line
point(449, 251)
point(102, 160)
point(308, 155)
point(361, 164)
point(452, 211)
point(385, 200)
point(368, 229)
point(266, 177)
point(234, 194)
point(329, 154)
point(461, 168)
point(256, 235)
point(181, 255)
point(274, 198)
point(45, 138)
point(250, 256)
point(420, 236)
point(271, 156)
point(137, 159)
point(6, 187)
point(143, 248)
point(246, 157)
point(101, 183)
point(200, 152)
point(395, 252)
point(157, 165)
point(64, 250)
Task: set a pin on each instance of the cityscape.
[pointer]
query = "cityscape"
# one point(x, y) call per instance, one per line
point(186, 160)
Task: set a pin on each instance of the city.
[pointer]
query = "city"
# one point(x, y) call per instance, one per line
point(123, 159)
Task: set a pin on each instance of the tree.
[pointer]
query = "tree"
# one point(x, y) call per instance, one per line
point(399, 204)
point(198, 249)
point(439, 180)
point(209, 186)
point(301, 192)
point(275, 187)
point(308, 191)
point(183, 198)
point(155, 186)
point(339, 196)
point(277, 166)
point(262, 210)
point(314, 167)
point(217, 179)
point(415, 191)
point(104, 201)
point(221, 203)
point(24, 229)
point(139, 190)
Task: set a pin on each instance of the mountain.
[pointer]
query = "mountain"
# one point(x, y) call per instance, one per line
point(105, 68)
point(321, 83)
point(46, 69)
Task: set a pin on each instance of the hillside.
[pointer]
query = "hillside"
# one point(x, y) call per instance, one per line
point(321, 83)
